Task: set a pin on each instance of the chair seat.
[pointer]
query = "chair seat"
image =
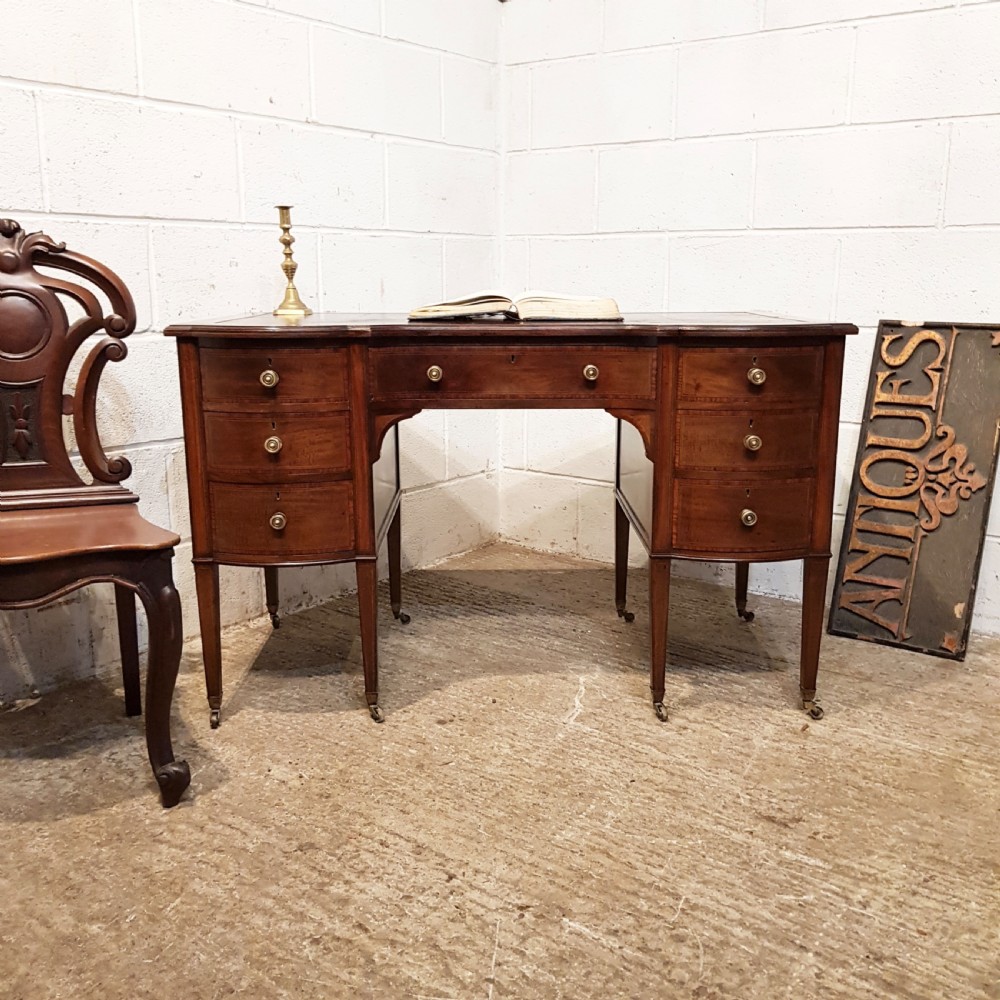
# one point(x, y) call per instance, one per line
point(40, 535)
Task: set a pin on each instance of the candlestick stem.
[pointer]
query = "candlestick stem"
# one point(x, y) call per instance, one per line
point(291, 304)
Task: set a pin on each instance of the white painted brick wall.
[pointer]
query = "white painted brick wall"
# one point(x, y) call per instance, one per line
point(831, 158)
point(157, 136)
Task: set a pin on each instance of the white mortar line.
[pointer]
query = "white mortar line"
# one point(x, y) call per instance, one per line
point(945, 172)
point(241, 192)
point(852, 69)
point(206, 111)
point(835, 297)
point(42, 165)
point(816, 27)
point(137, 40)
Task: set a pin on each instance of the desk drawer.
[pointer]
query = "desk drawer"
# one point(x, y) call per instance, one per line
point(247, 521)
point(709, 516)
point(258, 376)
point(270, 448)
point(516, 374)
point(741, 441)
point(764, 375)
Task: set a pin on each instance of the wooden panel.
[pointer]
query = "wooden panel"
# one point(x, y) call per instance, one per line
point(919, 504)
point(517, 374)
point(319, 521)
point(635, 478)
point(712, 375)
point(385, 480)
point(707, 516)
point(723, 440)
point(304, 375)
point(312, 444)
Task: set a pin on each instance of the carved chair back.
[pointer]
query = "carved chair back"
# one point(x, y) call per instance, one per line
point(38, 342)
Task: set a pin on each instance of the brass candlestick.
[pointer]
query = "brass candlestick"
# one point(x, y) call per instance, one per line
point(291, 304)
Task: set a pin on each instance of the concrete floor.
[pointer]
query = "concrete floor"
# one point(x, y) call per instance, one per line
point(521, 825)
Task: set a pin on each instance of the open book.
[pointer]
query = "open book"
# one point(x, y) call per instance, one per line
point(533, 305)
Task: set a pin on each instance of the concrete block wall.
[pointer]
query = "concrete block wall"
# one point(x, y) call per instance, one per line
point(831, 159)
point(157, 136)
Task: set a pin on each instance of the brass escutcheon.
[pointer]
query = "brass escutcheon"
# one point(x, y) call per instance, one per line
point(273, 445)
point(752, 442)
point(756, 376)
point(278, 521)
point(435, 373)
point(590, 372)
point(269, 378)
point(747, 517)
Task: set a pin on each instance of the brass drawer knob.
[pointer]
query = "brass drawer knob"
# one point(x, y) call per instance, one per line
point(756, 376)
point(752, 442)
point(590, 372)
point(747, 517)
point(435, 373)
point(278, 521)
point(273, 445)
point(269, 378)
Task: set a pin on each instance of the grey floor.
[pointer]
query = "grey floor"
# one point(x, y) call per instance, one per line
point(521, 825)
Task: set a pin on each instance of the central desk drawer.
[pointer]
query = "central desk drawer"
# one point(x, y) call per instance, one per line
point(516, 374)
point(273, 523)
point(269, 448)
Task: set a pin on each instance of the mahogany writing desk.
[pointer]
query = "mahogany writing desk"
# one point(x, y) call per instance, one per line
point(727, 441)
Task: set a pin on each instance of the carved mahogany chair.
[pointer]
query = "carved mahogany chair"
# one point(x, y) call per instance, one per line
point(57, 533)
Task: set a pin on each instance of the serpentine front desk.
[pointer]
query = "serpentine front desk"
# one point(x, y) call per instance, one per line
point(727, 442)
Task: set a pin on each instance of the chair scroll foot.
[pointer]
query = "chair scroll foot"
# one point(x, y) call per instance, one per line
point(627, 615)
point(173, 778)
point(376, 713)
point(215, 717)
point(661, 711)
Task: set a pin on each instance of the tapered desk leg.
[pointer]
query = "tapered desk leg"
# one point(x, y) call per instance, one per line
point(206, 579)
point(659, 613)
point(367, 572)
point(128, 643)
point(163, 612)
point(271, 594)
point(621, 562)
point(394, 547)
point(814, 572)
point(742, 583)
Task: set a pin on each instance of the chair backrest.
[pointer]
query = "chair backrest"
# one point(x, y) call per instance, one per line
point(38, 342)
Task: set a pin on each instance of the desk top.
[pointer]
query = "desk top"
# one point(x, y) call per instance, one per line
point(375, 326)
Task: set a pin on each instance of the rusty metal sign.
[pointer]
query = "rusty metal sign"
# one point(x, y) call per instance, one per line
point(920, 497)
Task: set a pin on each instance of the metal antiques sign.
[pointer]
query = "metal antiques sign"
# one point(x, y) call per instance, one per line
point(919, 503)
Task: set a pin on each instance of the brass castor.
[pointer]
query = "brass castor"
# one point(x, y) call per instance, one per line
point(402, 617)
point(627, 615)
point(813, 710)
point(747, 616)
point(275, 620)
point(376, 713)
point(215, 717)
point(661, 711)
